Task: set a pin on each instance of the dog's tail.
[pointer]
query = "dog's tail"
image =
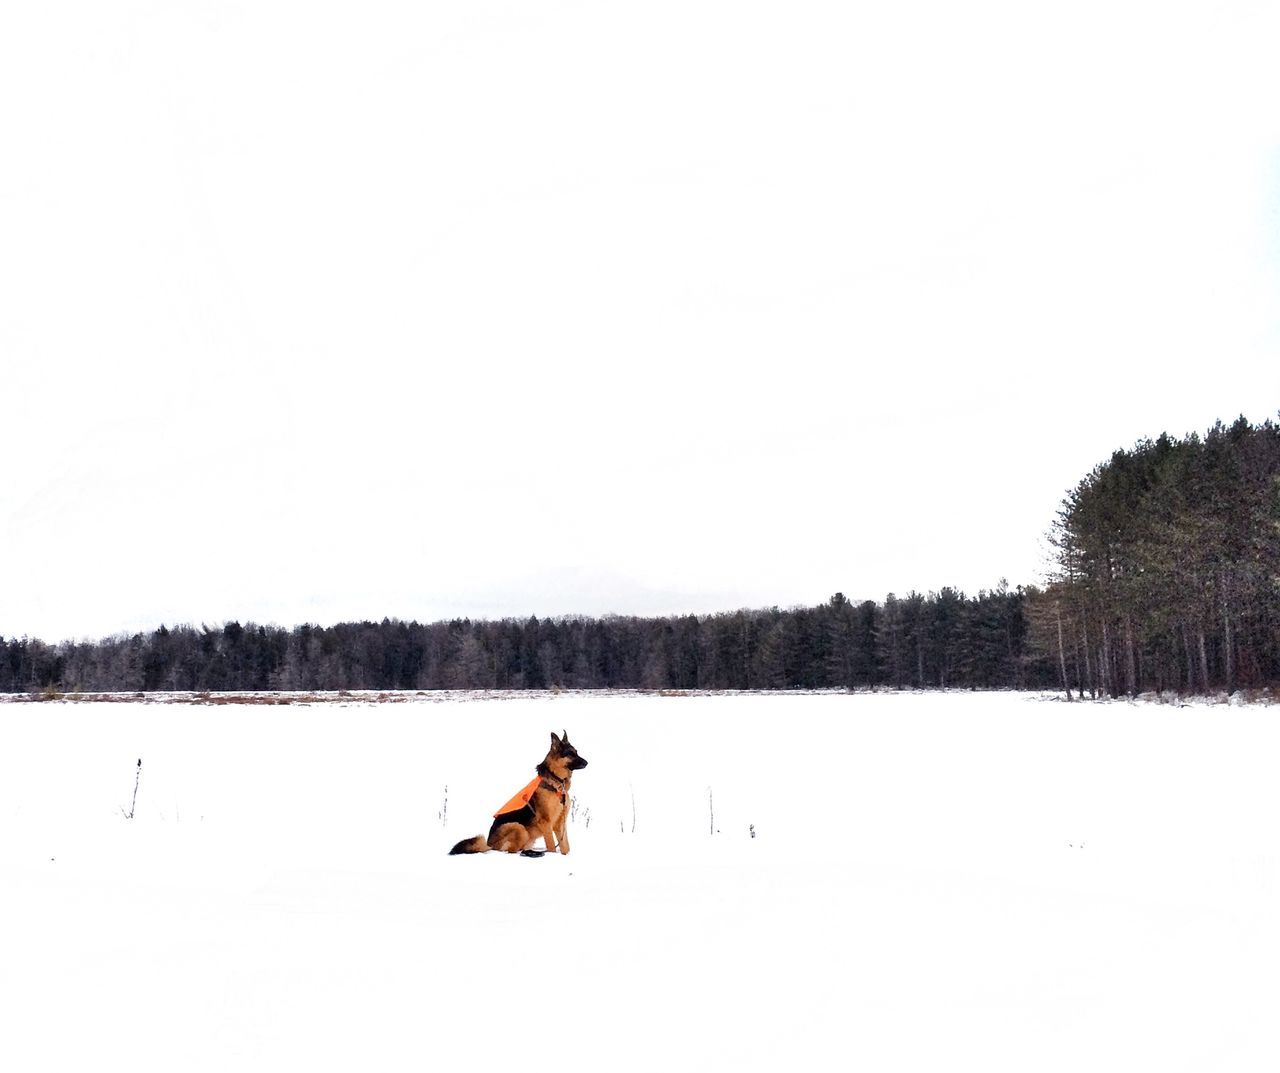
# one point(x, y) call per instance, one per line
point(471, 845)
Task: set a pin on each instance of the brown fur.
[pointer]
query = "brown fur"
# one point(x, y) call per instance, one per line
point(546, 815)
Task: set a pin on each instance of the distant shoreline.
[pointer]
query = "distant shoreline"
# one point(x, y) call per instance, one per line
point(367, 697)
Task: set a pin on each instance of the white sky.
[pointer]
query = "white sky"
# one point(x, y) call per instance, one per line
point(316, 311)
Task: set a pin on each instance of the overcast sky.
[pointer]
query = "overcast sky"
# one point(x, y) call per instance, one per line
point(320, 311)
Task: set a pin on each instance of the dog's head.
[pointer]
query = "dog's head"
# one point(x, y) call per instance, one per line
point(560, 747)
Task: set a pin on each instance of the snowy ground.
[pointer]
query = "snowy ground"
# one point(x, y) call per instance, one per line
point(938, 882)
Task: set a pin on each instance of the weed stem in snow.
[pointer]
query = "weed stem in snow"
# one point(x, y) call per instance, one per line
point(134, 803)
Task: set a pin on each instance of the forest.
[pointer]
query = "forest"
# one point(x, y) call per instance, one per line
point(1167, 578)
point(1168, 568)
point(943, 639)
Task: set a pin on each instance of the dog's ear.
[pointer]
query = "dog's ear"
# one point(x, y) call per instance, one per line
point(566, 736)
point(555, 742)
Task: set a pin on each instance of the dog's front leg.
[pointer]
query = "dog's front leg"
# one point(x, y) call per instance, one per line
point(561, 835)
point(548, 836)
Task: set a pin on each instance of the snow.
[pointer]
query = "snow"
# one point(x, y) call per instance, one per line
point(938, 881)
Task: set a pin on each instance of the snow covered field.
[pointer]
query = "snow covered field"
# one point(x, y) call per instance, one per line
point(937, 882)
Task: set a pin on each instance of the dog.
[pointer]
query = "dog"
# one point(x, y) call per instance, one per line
point(540, 810)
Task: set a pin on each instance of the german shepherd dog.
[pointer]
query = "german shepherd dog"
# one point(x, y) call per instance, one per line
point(544, 813)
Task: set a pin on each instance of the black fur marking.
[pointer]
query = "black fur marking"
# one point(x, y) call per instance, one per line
point(533, 853)
point(522, 816)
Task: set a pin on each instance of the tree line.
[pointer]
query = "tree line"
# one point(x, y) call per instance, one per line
point(1167, 572)
point(1166, 577)
point(940, 639)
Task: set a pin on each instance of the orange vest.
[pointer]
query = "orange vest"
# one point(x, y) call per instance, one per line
point(522, 798)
